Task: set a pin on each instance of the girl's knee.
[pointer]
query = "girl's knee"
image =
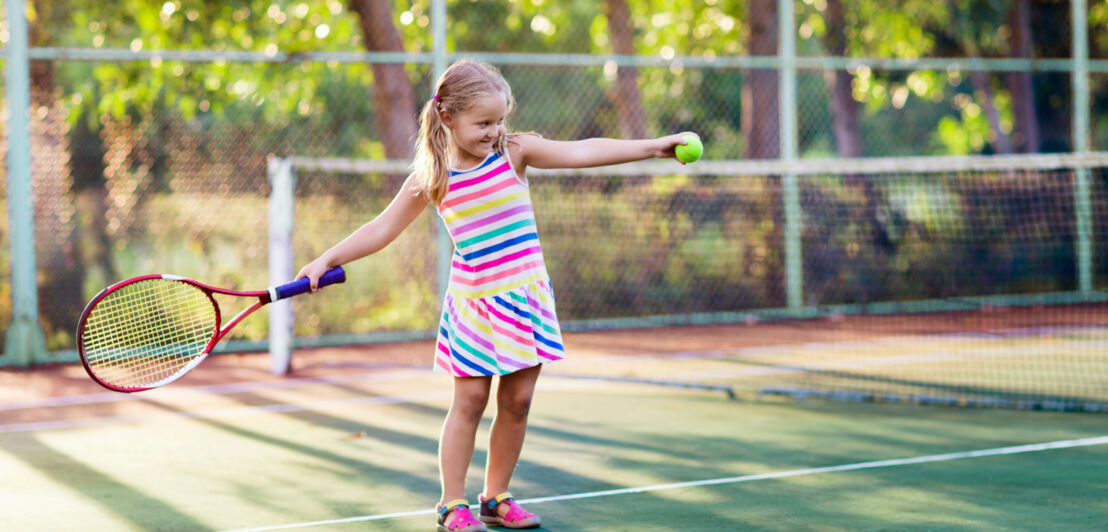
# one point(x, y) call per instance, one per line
point(515, 406)
point(470, 405)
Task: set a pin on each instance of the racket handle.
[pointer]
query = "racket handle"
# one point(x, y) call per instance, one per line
point(333, 276)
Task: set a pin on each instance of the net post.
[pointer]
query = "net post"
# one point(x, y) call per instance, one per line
point(282, 207)
point(786, 50)
point(25, 341)
point(1081, 189)
point(1084, 226)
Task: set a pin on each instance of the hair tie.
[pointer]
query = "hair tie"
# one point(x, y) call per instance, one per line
point(435, 97)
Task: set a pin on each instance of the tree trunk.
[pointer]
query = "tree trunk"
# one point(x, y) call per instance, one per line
point(844, 109)
point(759, 91)
point(626, 96)
point(393, 100)
point(848, 141)
point(1026, 132)
point(759, 123)
point(983, 87)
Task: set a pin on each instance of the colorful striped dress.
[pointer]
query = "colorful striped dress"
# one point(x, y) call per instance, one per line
point(498, 313)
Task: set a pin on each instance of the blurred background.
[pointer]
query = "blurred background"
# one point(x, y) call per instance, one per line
point(151, 125)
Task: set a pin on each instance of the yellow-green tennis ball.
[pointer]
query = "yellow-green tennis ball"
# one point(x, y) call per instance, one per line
point(690, 152)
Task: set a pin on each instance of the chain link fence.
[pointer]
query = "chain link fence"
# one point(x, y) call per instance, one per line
point(145, 161)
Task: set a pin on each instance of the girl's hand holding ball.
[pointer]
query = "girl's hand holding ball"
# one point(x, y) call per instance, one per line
point(691, 150)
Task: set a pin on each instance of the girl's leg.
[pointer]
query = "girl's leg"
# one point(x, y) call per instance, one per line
point(513, 401)
point(471, 394)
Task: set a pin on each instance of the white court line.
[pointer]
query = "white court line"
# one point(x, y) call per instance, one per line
point(1017, 449)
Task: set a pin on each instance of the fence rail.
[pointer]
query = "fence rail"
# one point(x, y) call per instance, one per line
point(801, 62)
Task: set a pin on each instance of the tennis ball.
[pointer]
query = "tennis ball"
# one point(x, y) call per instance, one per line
point(690, 152)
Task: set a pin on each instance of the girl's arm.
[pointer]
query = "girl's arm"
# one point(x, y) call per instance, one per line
point(371, 237)
point(543, 153)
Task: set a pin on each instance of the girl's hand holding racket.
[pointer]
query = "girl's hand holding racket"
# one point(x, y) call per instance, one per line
point(151, 330)
point(313, 273)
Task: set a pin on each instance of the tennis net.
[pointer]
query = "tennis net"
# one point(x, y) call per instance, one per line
point(950, 280)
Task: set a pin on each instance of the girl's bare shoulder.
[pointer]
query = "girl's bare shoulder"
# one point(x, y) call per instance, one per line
point(519, 145)
point(522, 140)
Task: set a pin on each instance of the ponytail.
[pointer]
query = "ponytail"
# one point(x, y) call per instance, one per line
point(431, 155)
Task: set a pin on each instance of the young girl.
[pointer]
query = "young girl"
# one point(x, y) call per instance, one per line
point(498, 316)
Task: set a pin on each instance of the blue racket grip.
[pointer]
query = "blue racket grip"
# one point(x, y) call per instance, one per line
point(333, 276)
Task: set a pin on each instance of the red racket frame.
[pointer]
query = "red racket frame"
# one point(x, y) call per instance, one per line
point(264, 297)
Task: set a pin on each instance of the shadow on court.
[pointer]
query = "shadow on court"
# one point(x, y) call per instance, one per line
point(309, 459)
point(77, 477)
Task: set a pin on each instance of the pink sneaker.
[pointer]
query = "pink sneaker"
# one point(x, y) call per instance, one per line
point(516, 517)
point(463, 520)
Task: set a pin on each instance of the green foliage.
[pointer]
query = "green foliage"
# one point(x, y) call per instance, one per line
point(710, 28)
point(113, 88)
point(911, 29)
point(1098, 18)
point(875, 28)
point(182, 137)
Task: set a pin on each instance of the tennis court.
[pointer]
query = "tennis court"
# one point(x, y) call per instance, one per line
point(878, 301)
point(349, 443)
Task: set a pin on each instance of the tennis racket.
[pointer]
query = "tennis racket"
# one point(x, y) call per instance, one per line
point(151, 330)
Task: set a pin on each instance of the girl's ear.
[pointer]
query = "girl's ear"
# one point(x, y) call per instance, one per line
point(447, 118)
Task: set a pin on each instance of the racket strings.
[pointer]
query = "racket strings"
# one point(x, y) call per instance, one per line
point(147, 332)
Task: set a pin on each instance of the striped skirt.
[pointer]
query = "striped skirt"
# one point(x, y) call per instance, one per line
point(498, 334)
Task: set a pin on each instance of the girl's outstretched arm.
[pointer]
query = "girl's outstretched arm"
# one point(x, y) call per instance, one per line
point(543, 153)
point(371, 237)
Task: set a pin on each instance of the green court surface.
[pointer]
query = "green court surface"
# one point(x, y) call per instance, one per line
point(356, 450)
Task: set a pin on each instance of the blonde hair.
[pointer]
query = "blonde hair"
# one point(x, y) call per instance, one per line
point(464, 83)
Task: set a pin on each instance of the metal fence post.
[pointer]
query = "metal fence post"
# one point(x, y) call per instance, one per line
point(1081, 189)
point(443, 244)
point(282, 207)
point(25, 340)
point(794, 222)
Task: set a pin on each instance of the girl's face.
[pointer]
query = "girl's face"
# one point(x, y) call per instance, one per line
point(474, 131)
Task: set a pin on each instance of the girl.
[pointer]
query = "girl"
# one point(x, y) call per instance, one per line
point(498, 316)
